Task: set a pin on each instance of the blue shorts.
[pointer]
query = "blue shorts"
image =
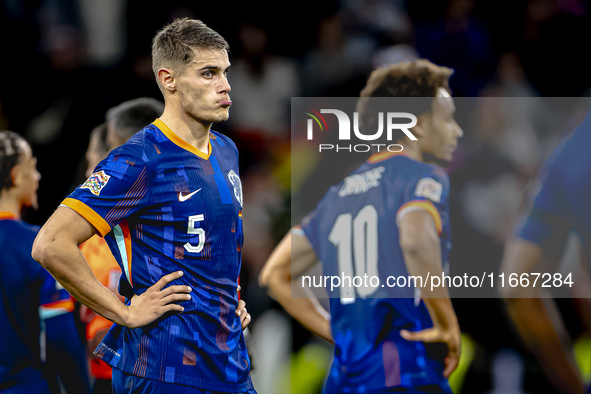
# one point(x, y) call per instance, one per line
point(124, 383)
point(405, 390)
point(429, 389)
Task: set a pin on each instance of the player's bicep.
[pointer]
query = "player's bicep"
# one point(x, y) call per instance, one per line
point(278, 263)
point(292, 257)
point(303, 256)
point(69, 225)
point(521, 257)
point(417, 229)
point(62, 233)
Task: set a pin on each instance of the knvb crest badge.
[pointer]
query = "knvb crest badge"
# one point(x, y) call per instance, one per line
point(345, 130)
point(235, 180)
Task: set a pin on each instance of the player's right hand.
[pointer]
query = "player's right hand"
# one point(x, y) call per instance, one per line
point(243, 314)
point(155, 302)
point(451, 337)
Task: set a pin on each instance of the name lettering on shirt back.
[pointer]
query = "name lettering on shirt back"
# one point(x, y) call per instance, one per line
point(360, 183)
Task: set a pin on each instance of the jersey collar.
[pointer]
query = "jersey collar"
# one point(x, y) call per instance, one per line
point(7, 215)
point(181, 142)
point(381, 156)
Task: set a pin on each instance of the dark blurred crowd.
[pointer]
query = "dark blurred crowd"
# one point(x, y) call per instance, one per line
point(66, 62)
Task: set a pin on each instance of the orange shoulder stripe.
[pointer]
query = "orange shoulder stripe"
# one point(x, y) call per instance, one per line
point(424, 205)
point(87, 213)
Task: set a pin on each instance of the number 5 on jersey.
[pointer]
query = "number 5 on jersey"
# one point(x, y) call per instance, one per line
point(199, 231)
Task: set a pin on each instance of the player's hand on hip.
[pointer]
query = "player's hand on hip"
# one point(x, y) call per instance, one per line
point(243, 313)
point(155, 301)
point(450, 337)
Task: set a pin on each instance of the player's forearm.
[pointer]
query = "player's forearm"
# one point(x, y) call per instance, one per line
point(66, 263)
point(305, 310)
point(535, 326)
point(276, 275)
point(423, 258)
point(443, 315)
point(532, 319)
point(437, 301)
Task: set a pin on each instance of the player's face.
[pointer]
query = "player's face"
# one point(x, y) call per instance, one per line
point(443, 130)
point(203, 87)
point(26, 176)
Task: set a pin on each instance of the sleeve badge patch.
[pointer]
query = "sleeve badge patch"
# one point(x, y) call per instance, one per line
point(429, 188)
point(96, 182)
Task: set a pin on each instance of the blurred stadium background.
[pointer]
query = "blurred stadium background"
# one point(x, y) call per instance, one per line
point(65, 62)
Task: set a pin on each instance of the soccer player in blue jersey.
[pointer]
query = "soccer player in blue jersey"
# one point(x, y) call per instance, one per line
point(397, 224)
point(38, 336)
point(168, 202)
point(560, 208)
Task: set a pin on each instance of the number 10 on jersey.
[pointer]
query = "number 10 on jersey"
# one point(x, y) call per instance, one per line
point(356, 240)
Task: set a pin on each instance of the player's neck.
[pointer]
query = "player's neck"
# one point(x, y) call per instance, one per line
point(9, 204)
point(412, 150)
point(194, 132)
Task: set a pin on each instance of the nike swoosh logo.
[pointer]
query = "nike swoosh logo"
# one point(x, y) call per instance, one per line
point(185, 198)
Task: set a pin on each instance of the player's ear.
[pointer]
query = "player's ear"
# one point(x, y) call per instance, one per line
point(420, 129)
point(15, 175)
point(166, 79)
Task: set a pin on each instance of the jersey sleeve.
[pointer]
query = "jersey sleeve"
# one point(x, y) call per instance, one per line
point(309, 228)
point(118, 188)
point(547, 222)
point(429, 191)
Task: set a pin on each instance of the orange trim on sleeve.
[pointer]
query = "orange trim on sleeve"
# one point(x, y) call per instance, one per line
point(87, 213)
point(181, 142)
point(381, 156)
point(7, 215)
point(67, 305)
point(424, 205)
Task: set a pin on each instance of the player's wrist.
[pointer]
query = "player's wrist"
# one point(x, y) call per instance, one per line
point(442, 314)
point(126, 317)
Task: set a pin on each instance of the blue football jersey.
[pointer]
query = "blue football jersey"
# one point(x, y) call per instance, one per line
point(62, 349)
point(354, 231)
point(561, 204)
point(163, 206)
point(36, 320)
point(21, 279)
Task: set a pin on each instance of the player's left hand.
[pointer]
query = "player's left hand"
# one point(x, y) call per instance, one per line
point(244, 315)
point(450, 337)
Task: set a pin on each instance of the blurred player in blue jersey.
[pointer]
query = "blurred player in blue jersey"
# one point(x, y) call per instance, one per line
point(560, 208)
point(38, 337)
point(168, 202)
point(398, 224)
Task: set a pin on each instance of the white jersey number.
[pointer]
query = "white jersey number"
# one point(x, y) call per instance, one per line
point(356, 239)
point(199, 231)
